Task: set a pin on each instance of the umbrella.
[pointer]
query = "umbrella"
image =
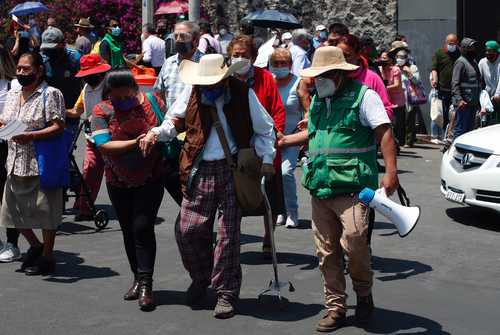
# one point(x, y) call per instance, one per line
point(271, 18)
point(173, 7)
point(28, 8)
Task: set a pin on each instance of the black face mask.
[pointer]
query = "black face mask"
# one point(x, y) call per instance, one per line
point(93, 80)
point(162, 31)
point(183, 47)
point(26, 79)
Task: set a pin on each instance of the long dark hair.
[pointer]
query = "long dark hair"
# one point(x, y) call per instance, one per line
point(7, 64)
point(118, 78)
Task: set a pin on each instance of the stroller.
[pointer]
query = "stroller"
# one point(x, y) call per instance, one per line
point(77, 183)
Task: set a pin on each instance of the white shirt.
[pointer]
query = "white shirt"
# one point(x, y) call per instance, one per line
point(299, 59)
point(91, 97)
point(203, 44)
point(262, 123)
point(153, 48)
point(372, 110)
point(491, 75)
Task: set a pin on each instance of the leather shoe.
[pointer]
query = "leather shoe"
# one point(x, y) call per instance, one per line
point(146, 302)
point(331, 322)
point(133, 292)
point(31, 257)
point(364, 309)
point(43, 267)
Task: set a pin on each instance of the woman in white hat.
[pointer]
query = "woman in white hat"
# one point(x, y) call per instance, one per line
point(346, 120)
point(206, 174)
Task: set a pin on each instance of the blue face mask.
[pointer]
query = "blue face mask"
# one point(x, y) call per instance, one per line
point(213, 94)
point(116, 31)
point(323, 35)
point(124, 105)
point(279, 72)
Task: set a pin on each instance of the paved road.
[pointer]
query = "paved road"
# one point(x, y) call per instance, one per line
point(442, 279)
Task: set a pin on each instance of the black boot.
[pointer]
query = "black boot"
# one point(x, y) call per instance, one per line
point(146, 302)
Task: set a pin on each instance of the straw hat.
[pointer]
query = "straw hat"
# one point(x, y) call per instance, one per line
point(84, 23)
point(327, 59)
point(397, 46)
point(210, 70)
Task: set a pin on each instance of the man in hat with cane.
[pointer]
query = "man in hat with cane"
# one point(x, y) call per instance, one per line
point(346, 121)
point(222, 118)
point(83, 42)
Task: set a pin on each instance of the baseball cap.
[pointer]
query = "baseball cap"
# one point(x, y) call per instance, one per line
point(51, 37)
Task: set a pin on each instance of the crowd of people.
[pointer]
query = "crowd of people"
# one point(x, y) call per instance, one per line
point(332, 97)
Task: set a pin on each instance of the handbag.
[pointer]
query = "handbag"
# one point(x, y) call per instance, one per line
point(415, 93)
point(246, 172)
point(171, 149)
point(52, 156)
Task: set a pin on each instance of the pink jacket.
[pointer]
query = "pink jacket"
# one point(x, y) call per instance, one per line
point(369, 78)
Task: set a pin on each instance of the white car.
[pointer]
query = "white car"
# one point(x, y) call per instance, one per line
point(470, 169)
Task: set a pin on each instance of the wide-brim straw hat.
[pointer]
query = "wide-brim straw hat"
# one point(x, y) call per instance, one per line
point(84, 23)
point(210, 70)
point(327, 59)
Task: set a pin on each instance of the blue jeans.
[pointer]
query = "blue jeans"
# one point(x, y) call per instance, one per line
point(464, 120)
point(436, 131)
point(289, 162)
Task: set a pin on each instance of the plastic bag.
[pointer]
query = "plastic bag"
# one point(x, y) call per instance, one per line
point(436, 108)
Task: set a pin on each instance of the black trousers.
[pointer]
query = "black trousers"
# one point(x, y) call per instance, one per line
point(400, 124)
point(12, 233)
point(136, 208)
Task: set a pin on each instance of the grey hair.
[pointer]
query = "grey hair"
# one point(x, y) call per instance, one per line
point(299, 35)
point(193, 28)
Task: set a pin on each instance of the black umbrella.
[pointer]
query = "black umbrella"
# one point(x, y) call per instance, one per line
point(271, 18)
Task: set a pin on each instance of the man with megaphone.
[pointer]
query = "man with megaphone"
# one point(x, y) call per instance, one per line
point(346, 122)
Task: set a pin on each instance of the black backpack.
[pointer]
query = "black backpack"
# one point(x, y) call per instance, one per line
point(210, 49)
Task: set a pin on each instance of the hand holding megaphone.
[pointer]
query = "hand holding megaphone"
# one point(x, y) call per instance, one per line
point(404, 218)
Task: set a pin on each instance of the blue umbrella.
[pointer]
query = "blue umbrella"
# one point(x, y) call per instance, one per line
point(28, 8)
point(271, 18)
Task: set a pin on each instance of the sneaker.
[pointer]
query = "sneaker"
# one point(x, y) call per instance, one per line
point(437, 141)
point(280, 220)
point(224, 308)
point(292, 221)
point(364, 309)
point(331, 322)
point(10, 253)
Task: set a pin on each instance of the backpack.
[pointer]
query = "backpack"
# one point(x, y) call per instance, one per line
point(210, 49)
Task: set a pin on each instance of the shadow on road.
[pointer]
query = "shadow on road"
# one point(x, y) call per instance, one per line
point(397, 268)
point(476, 217)
point(307, 262)
point(248, 239)
point(274, 311)
point(72, 228)
point(392, 322)
point(70, 269)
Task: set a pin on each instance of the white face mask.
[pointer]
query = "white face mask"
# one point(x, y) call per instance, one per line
point(452, 48)
point(245, 69)
point(401, 61)
point(325, 87)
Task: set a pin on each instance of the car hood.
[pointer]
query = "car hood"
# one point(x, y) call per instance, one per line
point(487, 138)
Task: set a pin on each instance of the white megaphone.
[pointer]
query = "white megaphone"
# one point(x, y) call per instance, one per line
point(405, 218)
